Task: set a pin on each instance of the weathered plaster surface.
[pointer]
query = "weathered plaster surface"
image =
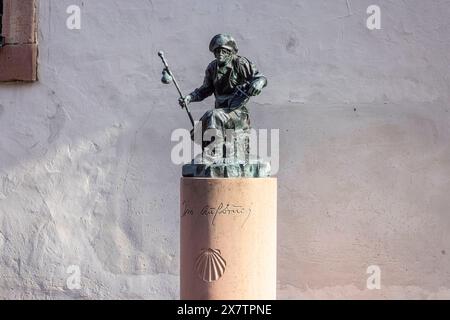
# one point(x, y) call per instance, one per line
point(85, 171)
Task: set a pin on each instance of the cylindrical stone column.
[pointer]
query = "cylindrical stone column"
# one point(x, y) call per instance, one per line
point(228, 238)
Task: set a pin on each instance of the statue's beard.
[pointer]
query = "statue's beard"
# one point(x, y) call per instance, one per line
point(223, 60)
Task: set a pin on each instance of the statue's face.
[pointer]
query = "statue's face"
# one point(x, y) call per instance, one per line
point(222, 55)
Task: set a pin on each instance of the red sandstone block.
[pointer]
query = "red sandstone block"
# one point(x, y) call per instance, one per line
point(18, 62)
point(19, 21)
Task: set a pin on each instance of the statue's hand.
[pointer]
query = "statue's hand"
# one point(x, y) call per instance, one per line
point(184, 102)
point(256, 87)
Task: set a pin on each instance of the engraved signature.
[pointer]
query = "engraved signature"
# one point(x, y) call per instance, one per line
point(221, 209)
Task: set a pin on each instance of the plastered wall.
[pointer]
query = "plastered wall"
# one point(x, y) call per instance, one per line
point(88, 189)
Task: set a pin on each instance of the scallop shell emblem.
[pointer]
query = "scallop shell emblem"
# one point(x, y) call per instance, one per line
point(210, 265)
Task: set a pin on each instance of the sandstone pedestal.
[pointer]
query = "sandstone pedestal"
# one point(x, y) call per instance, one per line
point(228, 238)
